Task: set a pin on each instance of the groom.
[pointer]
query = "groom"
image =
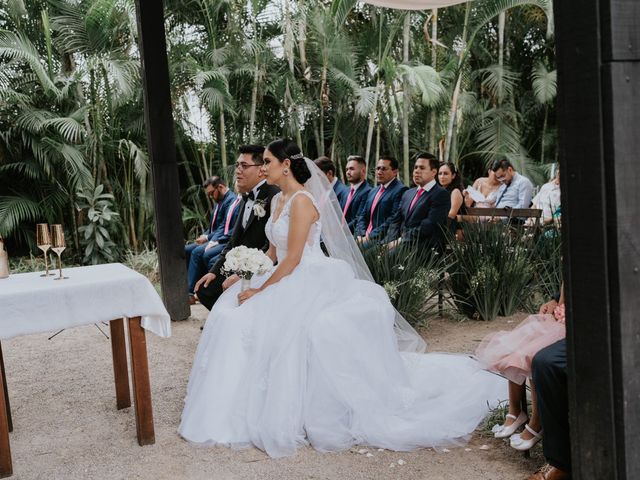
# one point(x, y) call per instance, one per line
point(254, 210)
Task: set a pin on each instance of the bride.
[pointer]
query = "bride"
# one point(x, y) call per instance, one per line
point(313, 353)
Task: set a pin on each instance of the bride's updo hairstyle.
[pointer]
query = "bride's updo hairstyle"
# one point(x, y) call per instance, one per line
point(287, 148)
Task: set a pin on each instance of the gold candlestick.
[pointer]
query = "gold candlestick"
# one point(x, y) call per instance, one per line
point(58, 245)
point(43, 240)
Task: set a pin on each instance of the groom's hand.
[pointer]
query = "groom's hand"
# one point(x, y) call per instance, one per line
point(230, 281)
point(206, 280)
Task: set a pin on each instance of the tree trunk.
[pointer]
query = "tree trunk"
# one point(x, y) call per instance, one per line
point(456, 92)
point(372, 124)
point(434, 64)
point(501, 24)
point(223, 142)
point(405, 99)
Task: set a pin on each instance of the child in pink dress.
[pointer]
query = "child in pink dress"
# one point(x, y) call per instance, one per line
point(509, 353)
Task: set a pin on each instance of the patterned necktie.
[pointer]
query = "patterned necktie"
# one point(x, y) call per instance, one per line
point(376, 200)
point(415, 200)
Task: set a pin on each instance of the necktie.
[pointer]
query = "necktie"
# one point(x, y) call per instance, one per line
point(415, 200)
point(349, 198)
point(213, 218)
point(227, 224)
point(502, 194)
point(376, 199)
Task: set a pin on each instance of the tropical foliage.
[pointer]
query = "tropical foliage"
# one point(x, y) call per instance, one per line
point(469, 82)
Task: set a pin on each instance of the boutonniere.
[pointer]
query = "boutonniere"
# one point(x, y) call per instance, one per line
point(258, 208)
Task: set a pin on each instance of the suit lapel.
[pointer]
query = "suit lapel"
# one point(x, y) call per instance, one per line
point(423, 198)
point(261, 196)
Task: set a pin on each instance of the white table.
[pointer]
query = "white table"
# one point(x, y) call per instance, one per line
point(102, 293)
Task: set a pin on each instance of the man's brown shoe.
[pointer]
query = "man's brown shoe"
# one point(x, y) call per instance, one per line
point(550, 473)
point(192, 299)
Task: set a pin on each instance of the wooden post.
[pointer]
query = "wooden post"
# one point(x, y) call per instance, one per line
point(162, 151)
point(6, 467)
point(6, 391)
point(141, 383)
point(120, 368)
point(598, 48)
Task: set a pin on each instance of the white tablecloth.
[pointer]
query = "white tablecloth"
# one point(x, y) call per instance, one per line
point(33, 304)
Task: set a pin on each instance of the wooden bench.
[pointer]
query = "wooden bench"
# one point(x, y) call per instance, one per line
point(474, 214)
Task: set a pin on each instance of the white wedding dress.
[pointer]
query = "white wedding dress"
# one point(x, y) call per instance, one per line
point(313, 359)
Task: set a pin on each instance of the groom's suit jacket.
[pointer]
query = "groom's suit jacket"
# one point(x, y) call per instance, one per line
point(425, 222)
point(253, 235)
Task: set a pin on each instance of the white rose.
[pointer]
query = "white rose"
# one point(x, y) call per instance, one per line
point(258, 210)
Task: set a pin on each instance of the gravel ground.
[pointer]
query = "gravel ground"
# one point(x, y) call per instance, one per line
point(66, 425)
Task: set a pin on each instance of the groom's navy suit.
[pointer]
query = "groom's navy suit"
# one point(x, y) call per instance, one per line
point(385, 209)
point(252, 235)
point(425, 221)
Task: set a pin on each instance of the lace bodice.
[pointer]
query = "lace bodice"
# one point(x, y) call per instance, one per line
point(277, 230)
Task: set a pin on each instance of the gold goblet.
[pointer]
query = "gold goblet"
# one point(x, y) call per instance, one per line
point(58, 245)
point(43, 240)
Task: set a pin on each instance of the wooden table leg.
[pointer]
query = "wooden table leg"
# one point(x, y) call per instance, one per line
point(6, 391)
point(6, 468)
point(120, 369)
point(141, 384)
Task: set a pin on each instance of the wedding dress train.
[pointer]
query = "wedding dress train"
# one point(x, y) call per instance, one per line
point(313, 359)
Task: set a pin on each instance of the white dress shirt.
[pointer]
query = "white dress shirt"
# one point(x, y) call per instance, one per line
point(515, 195)
point(250, 203)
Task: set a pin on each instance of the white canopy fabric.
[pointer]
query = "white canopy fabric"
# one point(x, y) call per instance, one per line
point(414, 4)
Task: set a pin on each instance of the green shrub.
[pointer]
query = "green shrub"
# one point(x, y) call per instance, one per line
point(491, 271)
point(144, 262)
point(410, 277)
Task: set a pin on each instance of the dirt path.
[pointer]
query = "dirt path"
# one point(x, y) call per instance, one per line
point(66, 425)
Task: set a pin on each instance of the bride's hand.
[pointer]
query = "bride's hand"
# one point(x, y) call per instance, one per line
point(246, 295)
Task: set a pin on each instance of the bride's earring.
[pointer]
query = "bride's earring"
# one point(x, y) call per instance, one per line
point(286, 171)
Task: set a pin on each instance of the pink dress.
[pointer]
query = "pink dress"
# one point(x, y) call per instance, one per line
point(510, 352)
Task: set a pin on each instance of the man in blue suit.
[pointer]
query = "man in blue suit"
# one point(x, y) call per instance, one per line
point(329, 168)
point(218, 191)
point(423, 210)
point(382, 202)
point(356, 173)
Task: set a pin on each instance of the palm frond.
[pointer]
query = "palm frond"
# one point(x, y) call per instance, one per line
point(70, 128)
point(545, 83)
point(14, 210)
point(426, 81)
point(17, 47)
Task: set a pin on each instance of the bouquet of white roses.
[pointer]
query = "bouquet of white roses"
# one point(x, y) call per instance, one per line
point(246, 262)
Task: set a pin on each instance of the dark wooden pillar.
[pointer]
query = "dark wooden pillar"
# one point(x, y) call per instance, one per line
point(162, 151)
point(598, 47)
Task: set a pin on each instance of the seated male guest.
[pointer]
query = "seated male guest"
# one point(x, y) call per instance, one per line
point(382, 202)
point(218, 191)
point(202, 259)
point(516, 190)
point(356, 173)
point(549, 368)
point(249, 228)
point(329, 169)
point(424, 210)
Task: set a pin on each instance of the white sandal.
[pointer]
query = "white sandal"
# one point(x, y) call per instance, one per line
point(522, 445)
point(504, 431)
